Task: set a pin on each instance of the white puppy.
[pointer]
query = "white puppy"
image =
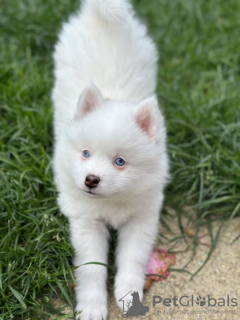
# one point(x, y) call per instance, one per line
point(110, 160)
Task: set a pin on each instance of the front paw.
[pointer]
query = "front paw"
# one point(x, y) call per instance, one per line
point(91, 312)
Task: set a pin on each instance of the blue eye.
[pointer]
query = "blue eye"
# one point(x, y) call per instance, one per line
point(86, 154)
point(119, 162)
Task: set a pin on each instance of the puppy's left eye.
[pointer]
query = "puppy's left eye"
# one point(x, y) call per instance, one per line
point(119, 162)
point(86, 154)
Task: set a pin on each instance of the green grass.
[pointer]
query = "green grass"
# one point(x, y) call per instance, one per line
point(198, 86)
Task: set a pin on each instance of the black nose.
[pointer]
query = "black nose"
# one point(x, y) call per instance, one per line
point(91, 181)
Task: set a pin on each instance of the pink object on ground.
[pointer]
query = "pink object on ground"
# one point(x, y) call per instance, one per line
point(159, 263)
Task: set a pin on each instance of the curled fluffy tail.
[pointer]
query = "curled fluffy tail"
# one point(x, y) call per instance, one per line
point(113, 11)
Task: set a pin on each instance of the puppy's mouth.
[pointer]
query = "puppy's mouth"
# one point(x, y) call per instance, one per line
point(93, 194)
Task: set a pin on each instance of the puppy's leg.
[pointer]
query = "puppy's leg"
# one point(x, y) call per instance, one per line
point(135, 242)
point(90, 240)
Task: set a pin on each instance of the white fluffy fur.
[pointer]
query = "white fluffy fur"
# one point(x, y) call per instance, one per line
point(106, 45)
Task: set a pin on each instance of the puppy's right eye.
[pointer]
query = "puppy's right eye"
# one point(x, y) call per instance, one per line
point(86, 154)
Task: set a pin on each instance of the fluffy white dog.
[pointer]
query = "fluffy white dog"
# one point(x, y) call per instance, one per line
point(110, 161)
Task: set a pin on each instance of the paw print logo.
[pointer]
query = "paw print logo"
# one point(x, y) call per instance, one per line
point(201, 301)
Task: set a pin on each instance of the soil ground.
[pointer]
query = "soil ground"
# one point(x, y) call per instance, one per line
point(218, 282)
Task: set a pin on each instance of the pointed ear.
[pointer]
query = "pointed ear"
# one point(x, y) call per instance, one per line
point(90, 99)
point(148, 117)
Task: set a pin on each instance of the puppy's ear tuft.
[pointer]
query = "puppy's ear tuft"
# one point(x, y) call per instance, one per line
point(149, 118)
point(89, 100)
